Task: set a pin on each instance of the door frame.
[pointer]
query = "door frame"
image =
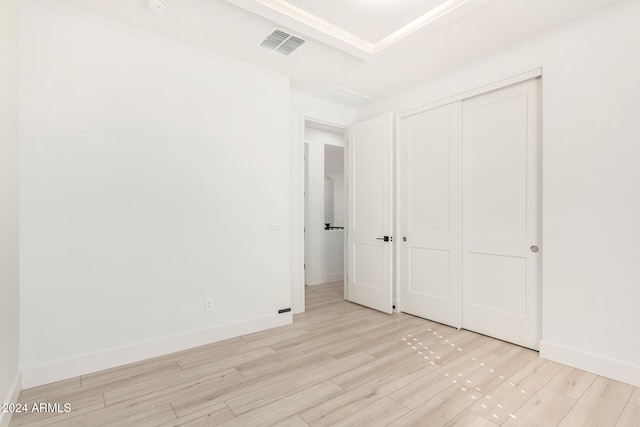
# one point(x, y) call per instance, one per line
point(302, 214)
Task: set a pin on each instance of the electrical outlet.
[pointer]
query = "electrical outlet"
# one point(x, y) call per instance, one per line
point(273, 225)
point(208, 304)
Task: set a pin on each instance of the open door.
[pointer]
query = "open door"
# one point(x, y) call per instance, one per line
point(370, 222)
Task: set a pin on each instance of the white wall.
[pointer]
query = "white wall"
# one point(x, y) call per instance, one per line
point(591, 202)
point(325, 256)
point(303, 105)
point(9, 291)
point(150, 173)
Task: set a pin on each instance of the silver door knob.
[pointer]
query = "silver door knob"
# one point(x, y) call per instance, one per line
point(534, 249)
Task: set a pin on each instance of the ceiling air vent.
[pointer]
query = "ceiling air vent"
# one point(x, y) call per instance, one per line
point(282, 42)
point(343, 96)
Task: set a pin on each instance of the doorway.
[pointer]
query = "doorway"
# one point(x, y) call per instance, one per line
point(324, 203)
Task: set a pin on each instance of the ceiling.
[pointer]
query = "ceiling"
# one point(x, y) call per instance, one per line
point(376, 18)
point(370, 47)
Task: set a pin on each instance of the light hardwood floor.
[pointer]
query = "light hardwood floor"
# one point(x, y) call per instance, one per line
point(342, 364)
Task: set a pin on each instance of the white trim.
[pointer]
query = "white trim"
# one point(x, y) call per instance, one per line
point(430, 17)
point(518, 78)
point(12, 397)
point(313, 26)
point(397, 300)
point(597, 364)
point(299, 305)
point(324, 121)
point(68, 368)
point(345, 203)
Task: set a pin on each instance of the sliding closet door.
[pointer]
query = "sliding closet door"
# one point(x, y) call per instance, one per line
point(430, 204)
point(501, 206)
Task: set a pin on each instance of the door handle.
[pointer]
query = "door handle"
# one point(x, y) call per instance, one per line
point(385, 238)
point(534, 249)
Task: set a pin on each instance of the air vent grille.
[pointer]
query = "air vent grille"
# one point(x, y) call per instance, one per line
point(275, 39)
point(282, 42)
point(343, 96)
point(289, 45)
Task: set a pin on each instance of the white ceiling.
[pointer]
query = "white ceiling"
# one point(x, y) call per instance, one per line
point(236, 28)
point(376, 18)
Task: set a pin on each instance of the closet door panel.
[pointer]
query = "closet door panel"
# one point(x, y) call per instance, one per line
point(429, 203)
point(501, 205)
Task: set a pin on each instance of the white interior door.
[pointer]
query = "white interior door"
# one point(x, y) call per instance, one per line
point(370, 213)
point(501, 214)
point(430, 214)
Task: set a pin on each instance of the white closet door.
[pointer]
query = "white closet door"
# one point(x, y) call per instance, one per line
point(370, 200)
point(430, 208)
point(501, 212)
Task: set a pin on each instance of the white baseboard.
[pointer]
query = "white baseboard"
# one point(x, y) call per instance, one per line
point(297, 307)
point(34, 376)
point(12, 397)
point(597, 364)
point(329, 278)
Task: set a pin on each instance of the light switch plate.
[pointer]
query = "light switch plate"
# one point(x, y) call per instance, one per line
point(273, 225)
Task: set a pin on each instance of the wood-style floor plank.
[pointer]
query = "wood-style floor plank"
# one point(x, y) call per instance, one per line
point(286, 407)
point(195, 389)
point(341, 364)
point(211, 416)
point(470, 419)
point(334, 410)
point(509, 396)
point(379, 413)
point(428, 386)
point(294, 421)
point(464, 392)
point(630, 416)
point(133, 391)
point(545, 408)
point(248, 401)
point(601, 405)
point(36, 393)
point(571, 382)
point(150, 418)
point(284, 364)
